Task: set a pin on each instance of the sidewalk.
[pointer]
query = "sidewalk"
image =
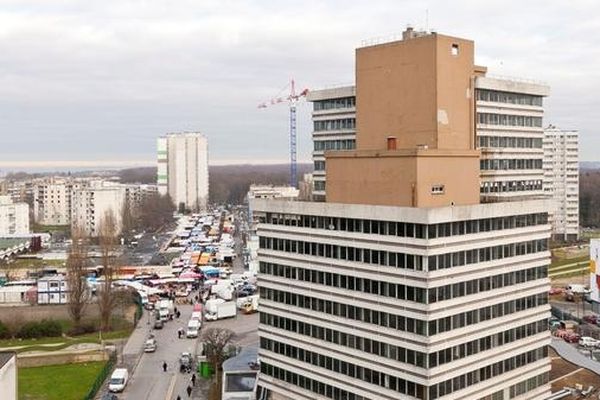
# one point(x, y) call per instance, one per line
point(133, 349)
point(571, 354)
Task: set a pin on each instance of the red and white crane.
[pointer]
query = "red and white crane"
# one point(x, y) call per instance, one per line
point(292, 100)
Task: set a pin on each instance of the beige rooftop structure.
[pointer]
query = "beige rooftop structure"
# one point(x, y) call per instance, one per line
point(415, 138)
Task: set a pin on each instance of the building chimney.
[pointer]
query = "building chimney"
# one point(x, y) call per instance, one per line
point(391, 142)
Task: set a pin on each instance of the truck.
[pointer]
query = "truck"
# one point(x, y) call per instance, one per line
point(251, 304)
point(165, 309)
point(219, 309)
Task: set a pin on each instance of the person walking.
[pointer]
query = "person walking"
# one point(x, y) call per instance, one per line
point(193, 379)
point(189, 391)
point(179, 333)
point(164, 366)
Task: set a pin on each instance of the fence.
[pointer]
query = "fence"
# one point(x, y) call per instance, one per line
point(101, 377)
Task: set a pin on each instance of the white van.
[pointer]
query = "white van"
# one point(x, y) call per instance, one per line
point(576, 288)
point(196, 315)
point(587, 341)
point(193, 328)
point(118, 380)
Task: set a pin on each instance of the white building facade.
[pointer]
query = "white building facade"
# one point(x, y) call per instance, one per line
point(52, 289)
point(8, 375)
point(183, 169)
point(561, 181)
point(91, 204)
point(52, 201)
point(14, 217)
point(366, 302)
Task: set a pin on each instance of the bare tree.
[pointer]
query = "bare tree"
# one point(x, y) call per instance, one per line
point(216, 341)
point(107, 239)
point(76, 273)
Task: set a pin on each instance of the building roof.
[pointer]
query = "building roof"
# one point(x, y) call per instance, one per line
point(8, 243)
point(5, 357)
point(242, 361)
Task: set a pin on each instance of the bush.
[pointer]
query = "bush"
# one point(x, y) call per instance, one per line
point(44, 328)
point(82, 329)
point(4, 331)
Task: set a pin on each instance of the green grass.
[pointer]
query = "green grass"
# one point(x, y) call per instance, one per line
point(566, 261)
point(58, 382)
point(36, 344)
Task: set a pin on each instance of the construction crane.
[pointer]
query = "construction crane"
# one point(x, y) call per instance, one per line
point(292, 100)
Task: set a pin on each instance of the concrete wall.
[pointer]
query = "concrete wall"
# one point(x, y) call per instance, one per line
point(403, 178)
point(8, 380)
point(59, 357)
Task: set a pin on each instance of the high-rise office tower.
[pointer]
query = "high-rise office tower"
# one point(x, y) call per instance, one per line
point(183, 169)
point(561, 180)
point(403, 285)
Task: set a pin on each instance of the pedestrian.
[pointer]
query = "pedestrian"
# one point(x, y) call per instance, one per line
point(193, 379)
point(164, 366)
point(179, 333)
point(178, 397)
point(189, 391)
point(175, 310)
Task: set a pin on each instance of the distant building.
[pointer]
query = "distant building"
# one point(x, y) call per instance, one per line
point(8, 375)
point(272, 192)
point(135, 194)
point(91, 204)
point(52, 201)
point(14, 217)
point(18, 294)
point(183, 169)
point(561, 180)
point(52, 289)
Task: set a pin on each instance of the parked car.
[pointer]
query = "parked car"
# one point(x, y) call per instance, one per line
point(118, 380)
point(591, 319)
point(185, 362)
point(158, 324)
point(245, 292)
point(150, 345)
point(109, 396)
point(572, 337)
point(587, 341)
point(556, 290)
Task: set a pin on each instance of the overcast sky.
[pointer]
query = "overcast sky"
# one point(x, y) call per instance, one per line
point(100, 80)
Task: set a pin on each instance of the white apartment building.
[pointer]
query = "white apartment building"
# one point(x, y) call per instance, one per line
point(561, 180)
point(52, 201)
point(334, 128)
point(14, 217)
point(183, 169)
point(510, 134)
point(365, 302)
point(135, 194)
point(91, 204)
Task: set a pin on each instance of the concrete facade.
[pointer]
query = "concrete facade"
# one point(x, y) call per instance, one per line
point(91, 204)
point(561, 181)
point(14, 217)
point(401, 285)
point(52, 201)
point(8, 375)
point(183, 169)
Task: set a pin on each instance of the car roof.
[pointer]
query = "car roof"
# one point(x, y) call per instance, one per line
point(119, 372)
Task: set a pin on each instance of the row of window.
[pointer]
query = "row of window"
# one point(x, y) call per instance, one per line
point(510, 186)
point(319, 165)
point(398, 384)
point(337, 144)
point(485, 373)
point(506, 164)
point(399, 322)
point(335, 124)
point(403, 229)
point(320, 186)
point(510, 142)
point(474, 256)
point(507, 97)
point(404, 292)
point(402, 354)
point(529, 385)
point(367, 256)
point(349, 369)
point(509, 120)
point(332, 104)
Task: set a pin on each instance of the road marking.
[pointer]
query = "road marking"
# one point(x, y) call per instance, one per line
point(171, 387)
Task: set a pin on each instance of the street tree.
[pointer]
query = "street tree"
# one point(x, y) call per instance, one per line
point(108, 241)
point(76, 275)
point(216, 341)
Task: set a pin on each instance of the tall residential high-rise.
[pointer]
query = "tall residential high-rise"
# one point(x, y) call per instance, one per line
point(52, 200)
point(561, 180)
point(402, 285)
point(90, 205)
point(183, 169)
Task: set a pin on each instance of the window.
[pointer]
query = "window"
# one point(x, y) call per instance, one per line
point(437, 189)
point(454, 50)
